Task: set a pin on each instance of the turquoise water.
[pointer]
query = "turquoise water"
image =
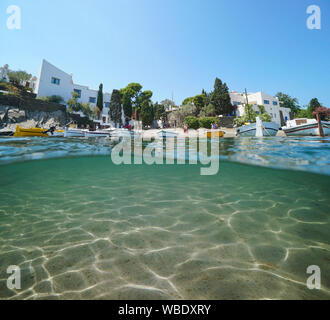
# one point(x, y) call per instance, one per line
point(80, 227)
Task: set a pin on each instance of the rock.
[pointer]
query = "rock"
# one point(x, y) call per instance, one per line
point(3, 113)
point(15, 115)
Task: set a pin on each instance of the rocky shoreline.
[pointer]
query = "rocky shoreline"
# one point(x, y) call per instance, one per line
point(11, 116)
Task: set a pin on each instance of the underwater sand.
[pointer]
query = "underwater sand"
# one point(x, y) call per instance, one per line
point(83, 228)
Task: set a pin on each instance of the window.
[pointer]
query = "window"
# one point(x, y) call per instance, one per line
point(92, 99)
point(107, 104)
point(266, 101)
point(235, 103)
point(275, 103)
point(56, 81)
point(78, 91)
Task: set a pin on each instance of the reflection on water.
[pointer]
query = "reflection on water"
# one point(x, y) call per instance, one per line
point(83, 228)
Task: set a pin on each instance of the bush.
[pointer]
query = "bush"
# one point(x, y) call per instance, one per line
point(208, 121)
point(192, 122)
point(54, 99)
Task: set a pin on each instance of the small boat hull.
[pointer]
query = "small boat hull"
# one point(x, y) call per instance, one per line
point(74, 133)
point(97, 134)
point(31, 132)
point(6, 133)
point(215, 134)
point(121, 133)
point(308, 129)
point(269, 129)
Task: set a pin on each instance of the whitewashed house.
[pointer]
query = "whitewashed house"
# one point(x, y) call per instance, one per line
point(54, 81)
point(271, 104)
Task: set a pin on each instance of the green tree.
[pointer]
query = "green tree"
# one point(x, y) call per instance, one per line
point(115, 107)
point(313, 105)
point(220, 98)
point(19, 76)
point(100, 97)
point(303, 113)
point(86, 110)
point(188, 110)
point(208, 111)
point(200, 101)
point(288, 102)
point(168, 104)
point(133, 97)
point(74, 105)
point(159, 111)
point(147, 113)
point(188, 101)
point(96, 112)
point(130, 96)
point(250, 115)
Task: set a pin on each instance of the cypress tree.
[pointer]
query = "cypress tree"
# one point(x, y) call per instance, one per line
point(100, 98)
point(220, 98)
point(115, 106)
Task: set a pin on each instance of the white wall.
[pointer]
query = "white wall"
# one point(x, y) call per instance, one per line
point(45, 87)
point(259, 98)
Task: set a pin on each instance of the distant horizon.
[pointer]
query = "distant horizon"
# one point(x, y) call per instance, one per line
point(261, 47)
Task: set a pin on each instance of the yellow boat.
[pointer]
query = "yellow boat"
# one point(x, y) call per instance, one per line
point(31, 132)
point(215, 134)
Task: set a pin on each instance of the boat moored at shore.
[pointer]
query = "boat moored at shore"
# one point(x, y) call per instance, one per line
point(305, 127)
point(269, 129)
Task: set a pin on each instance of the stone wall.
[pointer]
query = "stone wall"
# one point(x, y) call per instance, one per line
point(30, 104)
point(30, 112)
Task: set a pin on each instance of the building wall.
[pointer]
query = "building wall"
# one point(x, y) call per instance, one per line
point(46, 88)
point(65, 87)
point(271, 104)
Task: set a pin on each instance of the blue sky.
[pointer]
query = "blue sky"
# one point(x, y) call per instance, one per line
point(177, 46)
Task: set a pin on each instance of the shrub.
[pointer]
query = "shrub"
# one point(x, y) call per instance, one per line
point(208, 121)
point(192, 122)
point(54, 98)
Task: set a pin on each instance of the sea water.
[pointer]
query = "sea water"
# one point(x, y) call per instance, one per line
point(80, 227)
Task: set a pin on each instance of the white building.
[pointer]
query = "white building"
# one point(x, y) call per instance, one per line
point(271, 104)
point(53, 81)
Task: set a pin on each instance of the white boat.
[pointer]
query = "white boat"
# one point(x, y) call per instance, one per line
point(121, 132)
point(305, 127)
point(74, 133)
point(266, 129)
point(167, 134)
point(97, 134)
